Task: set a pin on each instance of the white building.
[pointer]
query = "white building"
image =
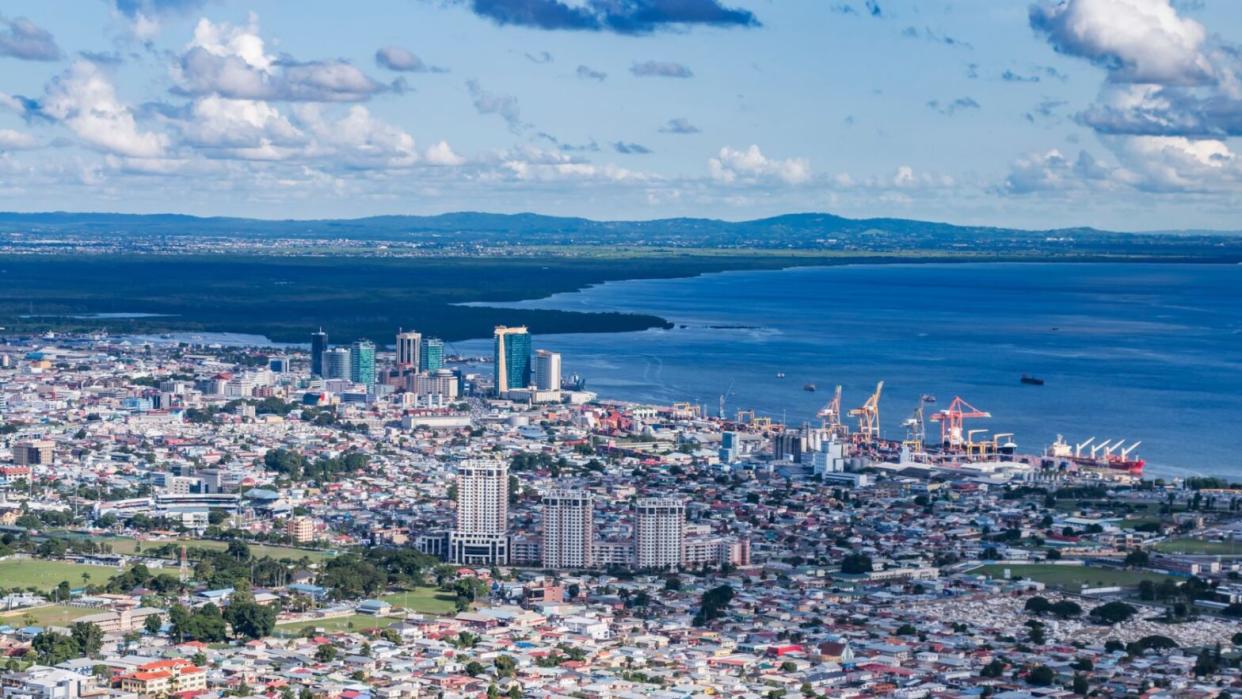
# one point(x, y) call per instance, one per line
point(409, 344)
point(547, 370)
point(659, 532)
point(480, 536)
point(568, 529)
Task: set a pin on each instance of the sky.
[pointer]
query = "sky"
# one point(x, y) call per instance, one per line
point(1120, 114)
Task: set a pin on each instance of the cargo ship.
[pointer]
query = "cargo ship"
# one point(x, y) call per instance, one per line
point(1032, 380)
point(1105, 455)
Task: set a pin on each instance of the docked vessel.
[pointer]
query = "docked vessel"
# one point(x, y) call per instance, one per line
point(1105, 455)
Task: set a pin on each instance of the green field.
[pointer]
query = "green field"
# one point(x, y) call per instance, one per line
point(1071, 578)
point(45, 575)
point(52, 615)
point(425, 600)
point(129, 546)
point(353, 622)
point(1200, 546)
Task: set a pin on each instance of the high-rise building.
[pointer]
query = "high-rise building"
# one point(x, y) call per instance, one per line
point(34, 452)
point(319, 345)
point(409, 350)
point(659, 532)
point(431, 357)
point(481, 535)
point(547, 370)
point(336, 363)
point(512, 358)
point(568, 529)
point(362, 362)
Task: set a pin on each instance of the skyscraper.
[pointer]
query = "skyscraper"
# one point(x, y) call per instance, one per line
point(481, 534)
point(431, 357)
point(568, 529)
point(336, 364)
point(319, 345)
point(659, 532)
point(362, 362)
point(512, 358)
point(409, 349)
point(547, 370)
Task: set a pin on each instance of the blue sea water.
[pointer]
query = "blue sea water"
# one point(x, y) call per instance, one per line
point(1135, 351)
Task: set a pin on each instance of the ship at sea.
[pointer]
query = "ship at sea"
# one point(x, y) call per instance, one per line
point(809, 388)
point(1032, 380)
point(1105, 455)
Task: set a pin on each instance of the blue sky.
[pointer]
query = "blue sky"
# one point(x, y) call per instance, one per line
point(1112, 113)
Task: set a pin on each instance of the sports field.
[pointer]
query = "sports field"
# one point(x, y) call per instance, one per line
point(353, 622)
point(51, 615)
point(1071, 577)
point(425, 600)
point(1200, 546)
point(44, 575)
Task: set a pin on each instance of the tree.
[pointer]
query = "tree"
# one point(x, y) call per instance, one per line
point(1041, 676)
point(1038, 605)
point(1138, 558)
point(1112, 613)
point(251, 619)
point(1081, 686)
point(789, 666)
point(906, 630)
point(474, 668)
point(152, 624)
point(713, 604)
point(325, 653)
point(505, 665)
point(857, 564)
point(994, 668)
point(1066, 609)
point(88, 637)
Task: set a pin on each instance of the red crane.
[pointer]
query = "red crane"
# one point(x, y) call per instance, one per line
point(951, 419)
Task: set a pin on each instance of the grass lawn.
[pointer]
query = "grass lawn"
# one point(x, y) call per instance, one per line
point(425, 600)
point(353, 622)
point(1200, 546)
point(1138, 522)
point(129, 546)
point(1071, 578)
point(45, 575)
point(54, 615)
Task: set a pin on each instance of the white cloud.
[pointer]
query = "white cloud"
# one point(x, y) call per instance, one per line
point(442, 154)
point(1136, 40)
point(16, 140)
point(84, 100)
point(732, 165)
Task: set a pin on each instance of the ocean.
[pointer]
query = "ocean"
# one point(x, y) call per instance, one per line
point(1149, 352)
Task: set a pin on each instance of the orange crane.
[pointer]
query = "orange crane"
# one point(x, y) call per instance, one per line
point(869, 416)
point(831, 415)
point(952, 419)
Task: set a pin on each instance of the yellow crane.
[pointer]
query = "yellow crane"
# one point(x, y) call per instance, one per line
point(869, 415)
point(831, 416)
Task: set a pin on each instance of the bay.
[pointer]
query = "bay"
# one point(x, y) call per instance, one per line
point(1149, 352)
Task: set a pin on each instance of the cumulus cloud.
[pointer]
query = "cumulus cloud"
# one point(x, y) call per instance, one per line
point(21, 38)
point(504, 106)
point(84, 100)
point(661, 69)
point(1135, 40)
point(751, 164)
point(403, 61)
point(145, 16)
point(680, 125)
point(589, 73)
point(1158, 164)
point(620, 16)
point(16, 140)
point(232, 62)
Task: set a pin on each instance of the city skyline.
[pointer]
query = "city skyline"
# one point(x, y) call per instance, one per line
point(1111, 113)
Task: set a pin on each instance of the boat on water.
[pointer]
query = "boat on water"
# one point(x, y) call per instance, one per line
point(1104, 456)
point(1032, 380)
point(810, 388)
point(780, 374)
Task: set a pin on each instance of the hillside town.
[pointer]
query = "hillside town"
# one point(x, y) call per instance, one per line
point(192, 519)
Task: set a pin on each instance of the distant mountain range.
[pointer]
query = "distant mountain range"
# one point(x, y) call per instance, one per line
point(790, 231)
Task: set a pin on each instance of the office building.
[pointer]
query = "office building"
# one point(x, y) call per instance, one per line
point(35, 452)
point(437, 383)
point(300, 529)
point(409, 349)
point(547, 370)
point(659, 532)
point(568, 529)
point(319, 345)
point(431, 356)
point(512, 358)
point(362, 362)
point(336, 363)
point(481, 535)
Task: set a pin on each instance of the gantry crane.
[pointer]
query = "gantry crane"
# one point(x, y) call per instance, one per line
point(951, 420)
point(830, 414)
point(916, 429)
point(869, 416)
